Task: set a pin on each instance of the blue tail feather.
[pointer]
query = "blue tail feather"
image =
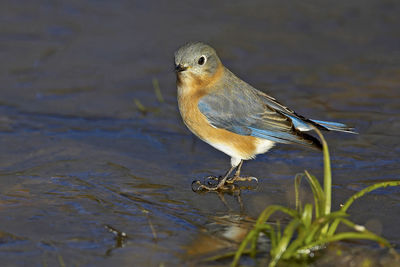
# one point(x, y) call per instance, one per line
point(335, 126)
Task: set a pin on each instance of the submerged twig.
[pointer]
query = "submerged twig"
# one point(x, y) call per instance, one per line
point(153, 230)
point(157, 90)
point(140, 106)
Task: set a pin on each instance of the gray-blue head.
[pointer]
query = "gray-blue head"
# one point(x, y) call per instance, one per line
point(196, 58)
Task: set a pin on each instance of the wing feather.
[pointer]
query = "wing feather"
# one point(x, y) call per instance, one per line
point(245, 112)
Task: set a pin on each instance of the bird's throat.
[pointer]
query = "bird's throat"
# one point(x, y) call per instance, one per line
point(199, 82)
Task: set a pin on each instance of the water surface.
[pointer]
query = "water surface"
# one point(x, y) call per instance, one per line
point(81, 165)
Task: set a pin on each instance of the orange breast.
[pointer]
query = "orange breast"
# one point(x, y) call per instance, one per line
point(235, 145)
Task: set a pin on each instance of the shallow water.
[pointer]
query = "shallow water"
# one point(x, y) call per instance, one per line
point(81, 165)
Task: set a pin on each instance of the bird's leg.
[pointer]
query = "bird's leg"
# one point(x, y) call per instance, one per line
point(237, 177)
point(219, 186)
point(237, 173)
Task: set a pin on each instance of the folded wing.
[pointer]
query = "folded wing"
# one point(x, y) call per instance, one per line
point(245, 112)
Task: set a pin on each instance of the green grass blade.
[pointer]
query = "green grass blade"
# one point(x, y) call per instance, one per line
point(327, 178)
point(297, 181)
point(278, 232)
point(360, 228)
point(327, 174)
point(265, 228)
point(333, 227)
point(277, 252)
point(253, 246)
point(310, 235)
point(367, 190)
point(272, 234)
point(318, 193)
point(306, 216)
point(342, 236)
point(243, 246)
point(250, 236)
point(319, 225)
point(264, 216)
point(260, 225)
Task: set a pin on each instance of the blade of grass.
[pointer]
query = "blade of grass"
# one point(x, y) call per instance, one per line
point(321, 223)
point(327, 173)
point(306, 216)
point(367, 190)
point(360, 228)
point(333, 227)
point(278, 232)
point(265, 228)
point(327, 178)
point(260, 226)
point(252, 234)
point(318, 194)
point(242, 247)
point(277, 252)
point(309, 235)
point(343, 236)
point(297, 181)
point(272, 209)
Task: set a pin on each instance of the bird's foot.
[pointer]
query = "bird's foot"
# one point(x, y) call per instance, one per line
point(212, 180)
point(213, 183)
point(235, 178)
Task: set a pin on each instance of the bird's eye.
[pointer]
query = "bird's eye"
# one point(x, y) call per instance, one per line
point(201, 60)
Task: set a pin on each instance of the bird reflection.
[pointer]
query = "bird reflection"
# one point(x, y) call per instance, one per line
point(224, 232)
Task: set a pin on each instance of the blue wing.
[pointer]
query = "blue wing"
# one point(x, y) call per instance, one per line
point(241, 110)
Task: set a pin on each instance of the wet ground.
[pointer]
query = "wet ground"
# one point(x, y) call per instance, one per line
point(81, 165)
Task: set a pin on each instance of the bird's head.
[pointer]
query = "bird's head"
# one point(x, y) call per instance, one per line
point(196, 62)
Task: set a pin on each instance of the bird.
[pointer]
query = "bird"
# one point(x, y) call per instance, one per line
point(234, 117)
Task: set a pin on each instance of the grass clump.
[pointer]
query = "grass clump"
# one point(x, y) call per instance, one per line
point(311, 225)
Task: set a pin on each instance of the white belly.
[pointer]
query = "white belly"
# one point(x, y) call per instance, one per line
point(262, 146)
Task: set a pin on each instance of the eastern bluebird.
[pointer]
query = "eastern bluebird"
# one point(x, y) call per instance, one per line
point(231, 115)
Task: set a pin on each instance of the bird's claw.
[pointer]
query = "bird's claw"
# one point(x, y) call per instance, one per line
point(213, 184)
point(212, 180)
point(197, 186)
point(242, 179)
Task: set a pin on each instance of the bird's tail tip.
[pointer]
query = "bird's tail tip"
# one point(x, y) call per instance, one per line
point(335, 126)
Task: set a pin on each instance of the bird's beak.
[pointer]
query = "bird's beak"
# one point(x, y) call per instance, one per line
point(180, 68)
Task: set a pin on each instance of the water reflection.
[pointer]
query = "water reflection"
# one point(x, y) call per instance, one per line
point(222, 233)
point(120, 239)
